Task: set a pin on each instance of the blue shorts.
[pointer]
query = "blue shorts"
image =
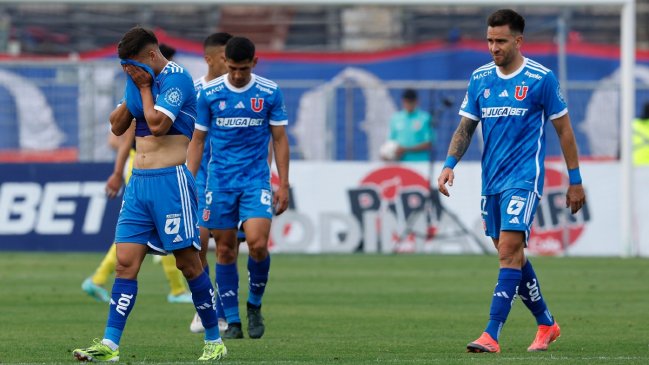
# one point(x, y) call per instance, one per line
point(159, 210)
point(511, 210)
point(225, 209)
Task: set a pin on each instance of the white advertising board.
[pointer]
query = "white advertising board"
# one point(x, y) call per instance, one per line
point(388, 208)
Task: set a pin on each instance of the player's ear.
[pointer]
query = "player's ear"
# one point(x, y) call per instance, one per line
point(208, 59)
point(254, 61)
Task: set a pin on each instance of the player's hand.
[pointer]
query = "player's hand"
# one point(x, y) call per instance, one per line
point(399, 153)
point(113, 184)
point(575, 198)
point(141, 78)
point(446, 177)
point(280, 200)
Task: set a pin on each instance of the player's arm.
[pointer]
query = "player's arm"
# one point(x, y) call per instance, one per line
point(195, 151)
point(114, 182)
point(575, 197)
point(158, 122)
point(120, 119)
point(281, 152)
point(459, 145)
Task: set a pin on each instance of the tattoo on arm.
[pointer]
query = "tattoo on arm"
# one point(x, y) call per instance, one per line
point(462, 138)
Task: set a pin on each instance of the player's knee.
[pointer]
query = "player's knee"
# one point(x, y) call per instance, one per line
point(510, 255)
point(226, 254)
point(258, 249)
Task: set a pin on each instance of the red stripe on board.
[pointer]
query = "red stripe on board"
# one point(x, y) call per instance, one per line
point(58, 155)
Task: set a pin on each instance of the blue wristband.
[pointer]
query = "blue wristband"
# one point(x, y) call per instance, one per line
point(574, 176)
point(450, 162)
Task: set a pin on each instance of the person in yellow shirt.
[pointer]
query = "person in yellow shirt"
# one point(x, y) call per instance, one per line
point(641, 138)
point(94, 285)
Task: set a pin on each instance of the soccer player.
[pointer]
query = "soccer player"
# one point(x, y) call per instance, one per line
point(241, 112)
point(214, 55)
point(159, 207)
point(512, 97)
point(125, 146)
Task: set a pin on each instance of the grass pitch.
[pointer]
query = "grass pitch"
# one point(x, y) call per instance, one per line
point(338, 309)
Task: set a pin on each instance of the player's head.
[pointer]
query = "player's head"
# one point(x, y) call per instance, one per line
point(167, 51)
point(214, 52)
point(409, 100)
point(240, 59)
point(505, 29)
point(140, 44)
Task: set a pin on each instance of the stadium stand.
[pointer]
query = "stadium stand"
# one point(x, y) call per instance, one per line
point(62, 29)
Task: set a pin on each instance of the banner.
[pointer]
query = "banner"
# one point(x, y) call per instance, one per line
point(337, 207)
point(56, 207)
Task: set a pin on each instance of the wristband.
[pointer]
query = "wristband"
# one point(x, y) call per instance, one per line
point(450, 162)
point(574, 176)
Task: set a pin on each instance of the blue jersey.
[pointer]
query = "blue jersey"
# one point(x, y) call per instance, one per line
point(513, 110)
point(238, 122)
point(174, 96)
point(201, 175)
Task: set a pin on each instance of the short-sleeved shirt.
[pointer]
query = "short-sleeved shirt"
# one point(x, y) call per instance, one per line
point(176, 99)
point(238, 123)
point(411, 129)
point(513, 110)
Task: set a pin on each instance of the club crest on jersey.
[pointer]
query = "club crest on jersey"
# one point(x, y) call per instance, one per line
point(486, 93)
point(222, 105)
point(521, 92)
point(257, 104)
point(206, 215)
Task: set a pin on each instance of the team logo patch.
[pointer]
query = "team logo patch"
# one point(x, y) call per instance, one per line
point(174, 96)
point(486, 93)
point(265, 197)
point(465, 101)
point(222, 105)
point(560, 94)
point(521, 92)
point(257, 104)
point(206, 215)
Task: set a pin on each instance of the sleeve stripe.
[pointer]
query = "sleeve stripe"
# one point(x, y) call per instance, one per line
point(200, 127)
point(166, 112)
point(559, 114)
point(278, 122)
point(469, 115)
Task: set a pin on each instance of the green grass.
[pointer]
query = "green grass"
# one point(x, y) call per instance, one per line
point(347, 309)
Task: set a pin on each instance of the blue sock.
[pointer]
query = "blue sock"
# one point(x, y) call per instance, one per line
point(122, 301)
point(257, 279)
point(219, 305)
point(503, 298)
point(227, 279)
point(529, 290)
point(204, 299)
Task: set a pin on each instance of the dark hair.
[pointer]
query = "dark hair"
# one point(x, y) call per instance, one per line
point(217, 39)
point(409, 94)
point(508, 17)
point(167, 51)
point(134, 41)
point(239, 49)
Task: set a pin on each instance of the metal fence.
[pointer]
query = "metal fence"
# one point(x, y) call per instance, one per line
point(65, 105)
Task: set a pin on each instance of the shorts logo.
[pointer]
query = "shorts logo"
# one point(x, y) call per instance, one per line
point(515, 207)
point(257, 104)
point(206, 215)
point(172, 225)
point(174, 96)
point(521, 92)
point(265, 197)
